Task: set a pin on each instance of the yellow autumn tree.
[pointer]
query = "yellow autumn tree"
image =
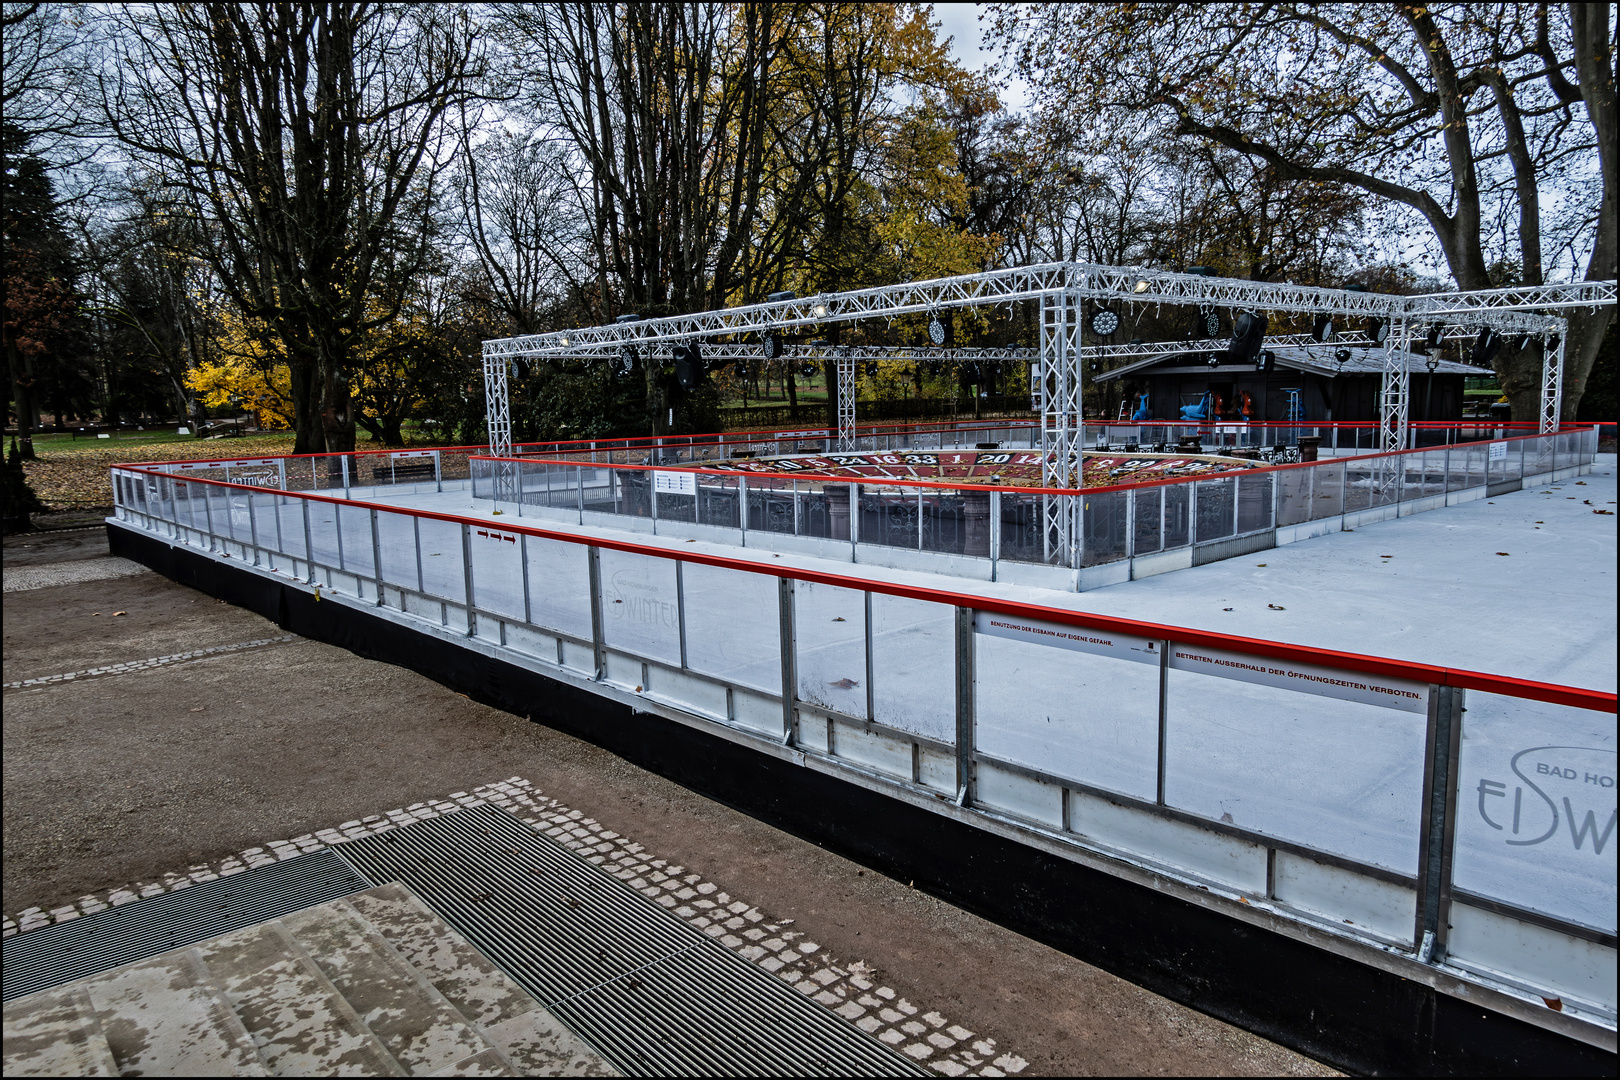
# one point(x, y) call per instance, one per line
point(247, 372)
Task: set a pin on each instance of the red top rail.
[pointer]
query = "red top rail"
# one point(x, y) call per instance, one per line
point(902, 482)
point(648, 442)
point(1576, 697)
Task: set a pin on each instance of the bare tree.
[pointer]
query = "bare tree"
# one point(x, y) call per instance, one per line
point(1458, 115)
point(305, 144)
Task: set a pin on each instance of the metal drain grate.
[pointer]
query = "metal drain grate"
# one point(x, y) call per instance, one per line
point(60, 953)
point(651, 994)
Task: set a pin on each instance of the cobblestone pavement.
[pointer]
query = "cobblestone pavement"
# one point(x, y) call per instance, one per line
point(848, 989)
point(23, 578)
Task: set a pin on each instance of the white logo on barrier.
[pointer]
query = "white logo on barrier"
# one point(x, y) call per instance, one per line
point(1073, 638)
point(1307, 678)
point(675, 483)
point(1568, 786)
point(636, 600)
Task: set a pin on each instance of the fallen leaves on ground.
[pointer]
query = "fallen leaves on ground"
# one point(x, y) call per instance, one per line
point(73, 475)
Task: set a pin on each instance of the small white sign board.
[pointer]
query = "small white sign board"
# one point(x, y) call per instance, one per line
point(400, 455)
point(1074, 638)
point(675, 483)
point(1498, 450)
point(1307, 678)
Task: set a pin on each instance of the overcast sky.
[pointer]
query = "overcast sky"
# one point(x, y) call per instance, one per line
point(960, 23)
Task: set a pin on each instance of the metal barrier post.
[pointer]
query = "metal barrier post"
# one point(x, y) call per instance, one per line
point(467, 576)
point(854, 519)
point(416, 539)
point(995, 532)
point(309, 547)
point(790, 677)
point(343, 460)
point(376, 556)
point(742, 508)
point(1441, 749)
point(598, 645)
point(964, 707)
point(1164, 713)
point(208, 512)
point(253, 526)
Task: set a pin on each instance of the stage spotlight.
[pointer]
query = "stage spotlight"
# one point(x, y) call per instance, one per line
point(1248, 335)
point(820, 311)
point(807, 370)
point(1142, 285)
point(688, 365)
point(1263, 360)
point(871, 369)
point(936, 330)
point(1525, 341)
point(1378, 331)
point(1202, 271)
point(1431, 340)
point(784, 295)
point(1486, 346)
point(1213, 359)
point(625, 361)
point(741, 370)
point(1104, 322)
point(1322, 328)
point(628, 317)
point(771, 346)
point(1341, 357)
point(564, 340)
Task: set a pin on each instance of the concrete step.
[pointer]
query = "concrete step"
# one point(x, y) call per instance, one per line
point(371, 985)
point(55, 1033)
point(413, 1021)
point(533, 1040)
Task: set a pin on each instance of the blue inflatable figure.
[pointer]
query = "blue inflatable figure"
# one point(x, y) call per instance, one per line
point(1198, 411)
point(1142, 414)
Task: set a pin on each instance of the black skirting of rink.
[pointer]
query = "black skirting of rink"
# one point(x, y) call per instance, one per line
point(1324, 1005)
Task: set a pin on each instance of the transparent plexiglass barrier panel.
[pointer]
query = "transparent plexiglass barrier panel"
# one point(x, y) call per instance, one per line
point(560, 586)
point(914, 666)
point(1327, 759)
point(830, 645)
point(443, 574)
point(1072, 703)
point(396, 541)
point(733, 626)
point(497, 570)
point(641, 606)
point(1536, 808)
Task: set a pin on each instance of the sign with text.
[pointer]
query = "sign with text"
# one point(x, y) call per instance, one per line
point(674, 483)
point(400, 455)
point(1074, 638)
point(1498, 451)
point(1306, 678)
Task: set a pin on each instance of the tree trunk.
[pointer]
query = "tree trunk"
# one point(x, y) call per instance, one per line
point(22, 389)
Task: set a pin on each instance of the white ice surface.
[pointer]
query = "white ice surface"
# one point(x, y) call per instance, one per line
point(1338, 776)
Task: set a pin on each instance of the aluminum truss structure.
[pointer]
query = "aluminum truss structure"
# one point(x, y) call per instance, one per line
point(845, 357)
point(1062, 287)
